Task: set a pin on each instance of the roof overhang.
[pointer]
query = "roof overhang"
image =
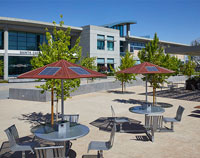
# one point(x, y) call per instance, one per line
point(136, 38)
point(120, 23)
point(185, 50)
point(33, 23)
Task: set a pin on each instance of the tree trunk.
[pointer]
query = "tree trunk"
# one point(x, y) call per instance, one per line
point(122, 86)
point(57, 110)
point(154, 96)
point(52, 106)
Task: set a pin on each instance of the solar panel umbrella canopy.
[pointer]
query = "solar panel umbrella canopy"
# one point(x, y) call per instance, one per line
point(146, 68)
point(61, 69)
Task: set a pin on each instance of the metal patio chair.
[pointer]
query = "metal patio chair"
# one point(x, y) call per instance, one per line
point(175, 119)
point(100, 146)
point(71, 118)
point(15, 144)
point(118, 120)
point(50, 152)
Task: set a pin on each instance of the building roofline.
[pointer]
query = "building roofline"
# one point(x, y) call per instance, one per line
point(119, 23)
point(35, 23)
point(191, 50)
point(149, 39)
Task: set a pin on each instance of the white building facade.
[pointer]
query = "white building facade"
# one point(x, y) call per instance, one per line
point(20, 40)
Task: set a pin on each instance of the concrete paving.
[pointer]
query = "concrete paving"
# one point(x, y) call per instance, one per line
point(184, 142)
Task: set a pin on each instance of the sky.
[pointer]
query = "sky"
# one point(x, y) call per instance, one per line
point(172, 20)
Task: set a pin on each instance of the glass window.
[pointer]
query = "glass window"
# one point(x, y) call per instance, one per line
point(100, 45)
point(110, 63)
point(13, 34)
point(31, 40)
point(31, 35)
point(100, 60)
point(101, 37)
point(121, 29)
point(122, 46)
point(21, 39)
point(110, 38)
point(101, 65)
point(136, 46)
point(100, 42)
point(18, 65)
point(12, 40)
point(131, 48)
point(1, 39)
point(24, 41)
point(21, 44)
point(21, 34)
point(12, 43)
point(110, 43)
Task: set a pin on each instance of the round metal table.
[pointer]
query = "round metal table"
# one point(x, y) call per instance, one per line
point(49, 133)
point(154, 110)
point(143, 110)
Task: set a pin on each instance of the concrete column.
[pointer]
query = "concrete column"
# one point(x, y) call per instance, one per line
point(128, 30)
point(6, 53)
point(129, 46)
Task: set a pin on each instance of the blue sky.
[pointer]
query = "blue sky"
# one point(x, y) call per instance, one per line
point(173, 20)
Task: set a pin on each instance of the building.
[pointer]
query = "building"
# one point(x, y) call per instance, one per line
point(193, 51)
point(20, 39)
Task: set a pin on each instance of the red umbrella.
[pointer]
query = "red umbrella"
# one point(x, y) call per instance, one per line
point(61, 69)
point(146, 68)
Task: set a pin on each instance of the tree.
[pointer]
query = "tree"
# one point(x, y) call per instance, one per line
point(89, 62)
point(126, 62)
point(1, 68)
point(189, 68)
point(196, 42)
point(154, 53)
point(57, 48)
point(196, 58)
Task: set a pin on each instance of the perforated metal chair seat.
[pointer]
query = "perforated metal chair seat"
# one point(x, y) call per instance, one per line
point(98, 145)
point(168, 119)
point(21, 147)
point(121, 120)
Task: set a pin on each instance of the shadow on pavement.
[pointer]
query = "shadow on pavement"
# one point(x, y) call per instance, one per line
point(133, 126)
point(36, 118)
point(177, 93)
point(120, 92)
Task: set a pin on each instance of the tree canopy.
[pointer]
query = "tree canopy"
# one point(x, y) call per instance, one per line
point(154, 53)
point(89, 62)
point(58, 47)
point(189, 68)
point(126, 62)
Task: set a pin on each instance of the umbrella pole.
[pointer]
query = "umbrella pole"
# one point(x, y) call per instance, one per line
point(62, 100)
point(52, 102)
point(146, 89)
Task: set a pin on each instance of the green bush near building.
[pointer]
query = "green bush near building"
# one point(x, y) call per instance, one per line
point(1, 68)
